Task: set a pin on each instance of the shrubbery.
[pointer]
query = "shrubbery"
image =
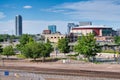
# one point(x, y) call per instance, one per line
point(108, 51)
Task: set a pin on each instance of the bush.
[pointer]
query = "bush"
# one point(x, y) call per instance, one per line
point(70, 55)
point(108, 51)
point(20, 56)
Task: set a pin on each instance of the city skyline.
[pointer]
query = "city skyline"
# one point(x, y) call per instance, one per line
point(37, 14)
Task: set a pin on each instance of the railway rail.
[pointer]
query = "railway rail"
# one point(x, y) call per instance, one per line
point(69, 72)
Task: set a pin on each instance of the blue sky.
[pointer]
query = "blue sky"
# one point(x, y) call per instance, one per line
point(38, 14)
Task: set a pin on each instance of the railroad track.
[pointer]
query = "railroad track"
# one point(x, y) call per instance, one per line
point(88, 73)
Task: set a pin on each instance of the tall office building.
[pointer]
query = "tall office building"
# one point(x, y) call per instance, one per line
point(85, 23)
point(70, 26)
point(52, 28)
point(18, 25)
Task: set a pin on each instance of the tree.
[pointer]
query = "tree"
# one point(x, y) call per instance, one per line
point(1, 49)
point(117, 39)
point(24, 39)
point(4, 37)
point(12, 38)
point(36, 50)
point(63, 45)
point(47, 50)
point(86, 45)
point(8, 51)
point(32, 50)
point(1, 38)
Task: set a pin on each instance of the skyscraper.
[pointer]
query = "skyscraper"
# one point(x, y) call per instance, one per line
point(70, 26)
point(18, 25)
point(85, 23)
point(52, 28)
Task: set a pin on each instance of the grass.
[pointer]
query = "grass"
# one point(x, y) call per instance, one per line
point(73, 55)
point(96, 62)
point(20, 56)
point(47, 59)
point(108, 51)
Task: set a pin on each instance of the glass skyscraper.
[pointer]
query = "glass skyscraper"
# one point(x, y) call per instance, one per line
point(52, 28)
point(18, 25)
point(70, 26)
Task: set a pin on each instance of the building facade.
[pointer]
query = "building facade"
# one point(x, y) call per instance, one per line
point(85, 23)
point(52, 28)
point(53, 37)
point(102, 33)
point(96, 30)
point(70, 26)
point(118, 32)
point(46, 31)
point(18, 25)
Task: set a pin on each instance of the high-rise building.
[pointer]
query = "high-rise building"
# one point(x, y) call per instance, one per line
point(70, 26)
point(118, 32)
point(18, 25)
point(85, 23)
point(52, 28)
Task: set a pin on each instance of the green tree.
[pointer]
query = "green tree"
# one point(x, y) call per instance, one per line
point(8, 51)
point(47, 50)
point(63, 45)
point(36, 50)
point(4, 37)
point(24, 39)
point(1, 38)
point(1, 49)
point(86, 45)
point(117, 39)
point(32, 50)
point(11, 39)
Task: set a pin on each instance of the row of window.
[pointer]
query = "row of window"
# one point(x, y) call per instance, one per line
point(55, 37)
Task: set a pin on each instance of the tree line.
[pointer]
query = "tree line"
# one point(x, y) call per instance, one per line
point(86, 45)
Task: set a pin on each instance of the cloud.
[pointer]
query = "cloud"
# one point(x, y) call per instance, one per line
point(10, 6)
point(2, 15)
point(6, 26)
point(107, 10)
point(27, 7)
point(53, 10)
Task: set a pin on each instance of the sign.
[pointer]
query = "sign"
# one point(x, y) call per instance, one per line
point(6, 73)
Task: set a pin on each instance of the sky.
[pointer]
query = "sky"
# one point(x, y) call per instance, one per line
point(38, 14)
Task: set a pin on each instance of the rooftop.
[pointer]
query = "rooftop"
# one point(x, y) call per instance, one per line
point(93, 26)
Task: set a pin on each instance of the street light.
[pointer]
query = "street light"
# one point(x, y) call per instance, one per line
point(114, 53)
